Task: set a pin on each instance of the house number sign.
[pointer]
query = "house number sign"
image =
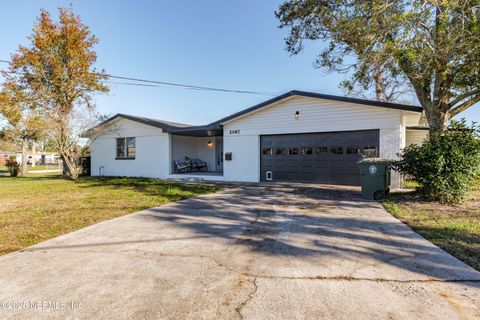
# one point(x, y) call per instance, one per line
point(237, 131)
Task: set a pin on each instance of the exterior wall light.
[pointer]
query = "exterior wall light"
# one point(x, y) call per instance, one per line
point(209, 144)
point(297, 115)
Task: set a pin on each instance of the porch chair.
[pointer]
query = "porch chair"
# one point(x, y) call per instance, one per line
point(199, 165)
point(180, 166)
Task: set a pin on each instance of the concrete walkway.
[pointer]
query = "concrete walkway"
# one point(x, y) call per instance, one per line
point(249, 252)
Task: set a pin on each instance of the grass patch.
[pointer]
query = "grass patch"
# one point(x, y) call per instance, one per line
point(454, 228)
point(38, 207)
point(43, 167)
point(36, 168)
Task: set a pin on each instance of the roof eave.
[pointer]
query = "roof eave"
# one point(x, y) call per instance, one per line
point(98, 128)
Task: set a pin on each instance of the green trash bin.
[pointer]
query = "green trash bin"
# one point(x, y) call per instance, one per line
point(375, 178)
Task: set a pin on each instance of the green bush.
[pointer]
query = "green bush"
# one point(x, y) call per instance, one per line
point(446, 165)
point(13, 167)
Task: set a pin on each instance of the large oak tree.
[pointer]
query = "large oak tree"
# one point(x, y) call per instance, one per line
point(434, 44)
point(56, 73)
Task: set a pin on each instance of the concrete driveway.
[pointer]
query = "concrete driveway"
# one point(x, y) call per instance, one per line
point(250, 252)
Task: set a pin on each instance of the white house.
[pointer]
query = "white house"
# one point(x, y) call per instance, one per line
point(298, 136)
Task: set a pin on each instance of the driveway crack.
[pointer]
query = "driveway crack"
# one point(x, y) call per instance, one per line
point(249, 298)
point(273, 277)
point(326, 278)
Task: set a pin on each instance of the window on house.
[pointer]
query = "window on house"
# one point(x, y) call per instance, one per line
point(131, 148)
point(336, 150)
point(307, 150)
point(293, 151)
point(126, 148)
point(267, 151)
point(320, 150)
point(353, 150)
point(280, 151)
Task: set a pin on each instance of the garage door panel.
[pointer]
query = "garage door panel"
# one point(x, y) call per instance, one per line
point(320, 163)
point(321, 157)
point(306, 165)
point(279, 176)
point(292, 164)
point(307, 177)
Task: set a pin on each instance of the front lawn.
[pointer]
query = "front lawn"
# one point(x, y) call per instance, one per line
point(36, 168)
point(454, 228)
point(43, 167)
point(35, 208)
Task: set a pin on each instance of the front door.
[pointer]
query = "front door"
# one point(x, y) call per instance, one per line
point(219, 154)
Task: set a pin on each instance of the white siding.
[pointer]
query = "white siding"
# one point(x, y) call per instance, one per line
point(416, 136)
point(315, 116)
point(245, 164)
point(152, 151)
point(207, 153)
point(391, 142)
point(412, 119)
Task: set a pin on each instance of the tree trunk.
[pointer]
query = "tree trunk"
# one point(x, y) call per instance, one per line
point(437, 119)
point(24, 156)
point(378, 84)
point(33, 153)
point(70, 166)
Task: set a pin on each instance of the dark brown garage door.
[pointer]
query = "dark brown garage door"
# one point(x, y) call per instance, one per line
point(327, 157)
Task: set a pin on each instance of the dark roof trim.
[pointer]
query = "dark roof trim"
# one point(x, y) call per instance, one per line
point(208, 130)
point(379, 104)
point(417, 128)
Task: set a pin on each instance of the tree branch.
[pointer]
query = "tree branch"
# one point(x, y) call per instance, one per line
point(464, 96)
point(464, 106)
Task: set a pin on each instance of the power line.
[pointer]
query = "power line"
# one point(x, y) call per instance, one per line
point(155, 83)
point(188, 86)
point(131, 84)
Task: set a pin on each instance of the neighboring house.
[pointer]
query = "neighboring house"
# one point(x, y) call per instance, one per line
point(299, 136)
point(39, 157)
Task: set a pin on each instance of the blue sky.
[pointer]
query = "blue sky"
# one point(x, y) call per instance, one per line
point(217, 43)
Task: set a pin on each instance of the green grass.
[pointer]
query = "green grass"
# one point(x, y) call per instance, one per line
point(38, 207)
point(43, 167)
point(454, 228)
point(36, 168)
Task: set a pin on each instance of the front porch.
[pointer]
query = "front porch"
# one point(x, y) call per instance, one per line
point(190, 150)
point(197, 176)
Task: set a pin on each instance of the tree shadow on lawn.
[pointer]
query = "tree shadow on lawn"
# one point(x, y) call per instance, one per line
point(452, 227)
point(463, 245)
